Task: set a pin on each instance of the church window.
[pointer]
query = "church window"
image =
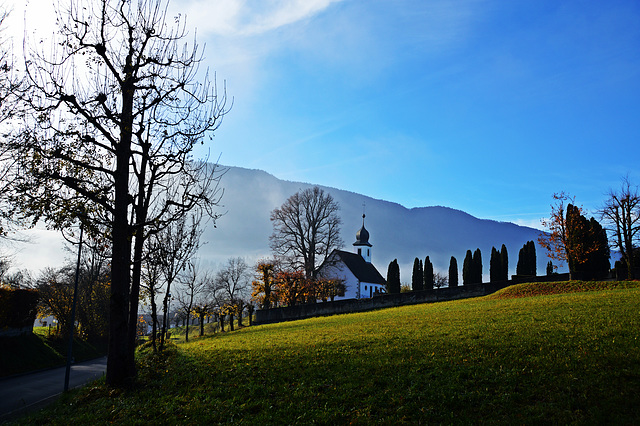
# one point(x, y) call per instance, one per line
point(360, 251)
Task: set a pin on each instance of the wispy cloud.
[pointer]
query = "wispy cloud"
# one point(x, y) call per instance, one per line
point(249, 18)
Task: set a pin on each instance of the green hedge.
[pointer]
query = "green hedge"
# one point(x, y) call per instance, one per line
point(18, 308)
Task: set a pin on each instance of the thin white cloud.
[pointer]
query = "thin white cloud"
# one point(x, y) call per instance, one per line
point(250, 17)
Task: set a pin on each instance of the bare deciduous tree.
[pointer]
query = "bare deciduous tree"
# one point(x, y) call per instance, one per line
point(177, 244)
point(621, 213)
point(193, 282)
point(306, 229)
point(151, 283)
point(108, 119)
point(232, 287)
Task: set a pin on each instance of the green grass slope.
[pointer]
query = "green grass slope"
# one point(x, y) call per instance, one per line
point(551, 359)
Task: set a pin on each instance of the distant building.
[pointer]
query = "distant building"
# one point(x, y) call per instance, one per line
point(361, 278)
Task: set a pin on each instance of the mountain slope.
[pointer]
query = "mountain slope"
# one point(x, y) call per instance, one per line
point(396, 232)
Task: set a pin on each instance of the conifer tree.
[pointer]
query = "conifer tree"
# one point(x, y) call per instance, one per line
point(428, 274)
point(520, 266)
point(477, 266)
point(600, 255)
point(393, 277)
point(527, 260)
point(417, 280)
point(531, 258)
point(588, 246)
point(467, 268)
point(504, 259)
point(495, 266)
point(453, 272)
point(549, 268)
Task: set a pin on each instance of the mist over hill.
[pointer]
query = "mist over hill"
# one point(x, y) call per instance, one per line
point(396, 232)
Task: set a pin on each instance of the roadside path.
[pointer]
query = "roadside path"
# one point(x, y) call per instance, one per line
point(28, 392)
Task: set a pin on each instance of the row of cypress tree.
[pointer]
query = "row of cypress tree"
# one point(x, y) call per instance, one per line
point(499, 264)
point(422, 276)
point(586, 246)
point(472, 267)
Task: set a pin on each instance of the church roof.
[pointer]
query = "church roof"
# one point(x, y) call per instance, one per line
point(363, 270)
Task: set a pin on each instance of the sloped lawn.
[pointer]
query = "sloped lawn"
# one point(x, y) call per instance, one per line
point(551, 359)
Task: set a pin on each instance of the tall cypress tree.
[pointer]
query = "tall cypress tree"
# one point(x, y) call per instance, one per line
point(504, 260)
point(531, 258)
point(549, 268)
point(588, 248)
point(453, 272)
point(527, 260)
point(393, 277)
point(467, 268)
point(521, 259)
point(477, 266)
point(428, 274)
point(417, 279)
point(575, 236)
point(495, 266)
point(599, 257)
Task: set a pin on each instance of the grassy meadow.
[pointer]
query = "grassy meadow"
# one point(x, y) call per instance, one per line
point(522, 356)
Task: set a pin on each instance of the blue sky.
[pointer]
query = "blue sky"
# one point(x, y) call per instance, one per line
point(484, 106)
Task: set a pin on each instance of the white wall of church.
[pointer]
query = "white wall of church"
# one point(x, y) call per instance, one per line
point(354, 288)
point(350, 281)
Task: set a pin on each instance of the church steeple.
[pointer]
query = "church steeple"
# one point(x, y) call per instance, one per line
point(362, 245)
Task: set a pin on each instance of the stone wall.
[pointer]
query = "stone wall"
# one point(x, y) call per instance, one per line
point(290, 313)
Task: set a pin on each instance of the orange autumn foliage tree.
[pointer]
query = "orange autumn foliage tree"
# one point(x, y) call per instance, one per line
point(291, 287)
point(328, 289)
point(263, 287)
point(555, 241)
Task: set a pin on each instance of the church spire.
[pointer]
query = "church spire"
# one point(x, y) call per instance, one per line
point(362, 245)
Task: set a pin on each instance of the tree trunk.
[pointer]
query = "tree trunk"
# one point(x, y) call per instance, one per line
point(241, 308)
point(119, 371)
point(154, 318)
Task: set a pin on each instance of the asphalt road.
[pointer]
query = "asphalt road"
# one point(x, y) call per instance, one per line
point(28, 392)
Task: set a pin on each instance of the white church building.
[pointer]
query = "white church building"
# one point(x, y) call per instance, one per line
point(361, 278)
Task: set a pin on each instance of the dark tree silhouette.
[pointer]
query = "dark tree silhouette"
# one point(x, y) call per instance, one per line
point(550, 268)
point(504, 260)
point(477, 266)
point(588, 246)
point(527, 264)
point(417, 277)
point(393, 277)
point(621, 213)
point(467, 268)
point(453, 272)
point(428, 274)
point(495, 266)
